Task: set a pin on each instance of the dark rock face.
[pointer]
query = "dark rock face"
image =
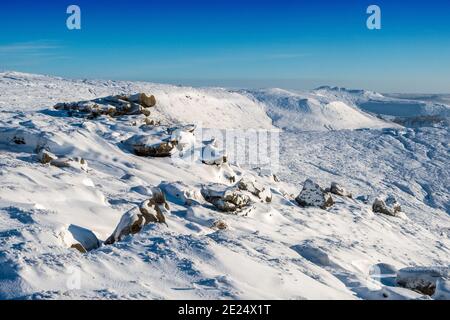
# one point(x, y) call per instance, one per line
point(313, 195)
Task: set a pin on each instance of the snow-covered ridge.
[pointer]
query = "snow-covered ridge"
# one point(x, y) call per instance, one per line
point(315, 111)
point(212, 107)
point(406, 109)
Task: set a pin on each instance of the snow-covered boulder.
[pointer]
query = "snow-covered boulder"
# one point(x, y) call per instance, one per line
point(389, 206)
point(143, 99)
point(422, 279)
point(156, 208)
point(161, 142)
point(151, 146)
point(80, 238)
point(249, 183)
point(130, 223)
point(220, 225)
point(212, 154)
point(153, 210)
point(225, 198)
point(312, 195)
point(339, 190)
point(180, 192)
point(45, 156)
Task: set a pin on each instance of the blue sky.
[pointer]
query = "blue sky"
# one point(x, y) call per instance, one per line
point(289, 44)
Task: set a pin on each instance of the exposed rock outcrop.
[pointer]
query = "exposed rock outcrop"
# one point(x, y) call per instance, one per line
point(162, 142)
point(389, 206)
point(312, 195)
point(339, 190)
point(151, 146)
point(156, 208)
point(113, 106)
point(224, 198)
point(130, 223)
point(153, 210)
point(249, 183)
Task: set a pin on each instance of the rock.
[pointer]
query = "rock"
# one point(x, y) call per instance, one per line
point(161, 142)
point(79, 238)
point(220, 225)
point(339, 190)
point(180, 192)
point(153, 210)
point(143, 99)
point(212, 155)
point(113, 106)
point(224, 198)
point(390, 206)
point(250, 184)
point(130, 223)
point(312, 195)
point(79, 247)
point(150, 146)
point(156, 208)
point(46, 156)
point(422, 279)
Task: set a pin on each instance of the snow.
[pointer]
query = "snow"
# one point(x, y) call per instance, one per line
point(269, 250)
point(314, 111)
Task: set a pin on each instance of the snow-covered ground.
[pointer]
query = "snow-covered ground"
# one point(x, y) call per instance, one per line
point(275, 250)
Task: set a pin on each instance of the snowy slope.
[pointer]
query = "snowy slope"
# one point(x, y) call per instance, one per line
point(175, 104)
point(405, 109)
point(318, 111)
point(276, 250)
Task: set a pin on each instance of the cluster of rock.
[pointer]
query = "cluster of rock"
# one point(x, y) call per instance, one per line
point(312, 195)
point(113, 106)
point(225, 198)
point(234, 198)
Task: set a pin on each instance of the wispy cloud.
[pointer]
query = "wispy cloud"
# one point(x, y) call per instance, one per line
point(28, 47)
point(32, 53)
